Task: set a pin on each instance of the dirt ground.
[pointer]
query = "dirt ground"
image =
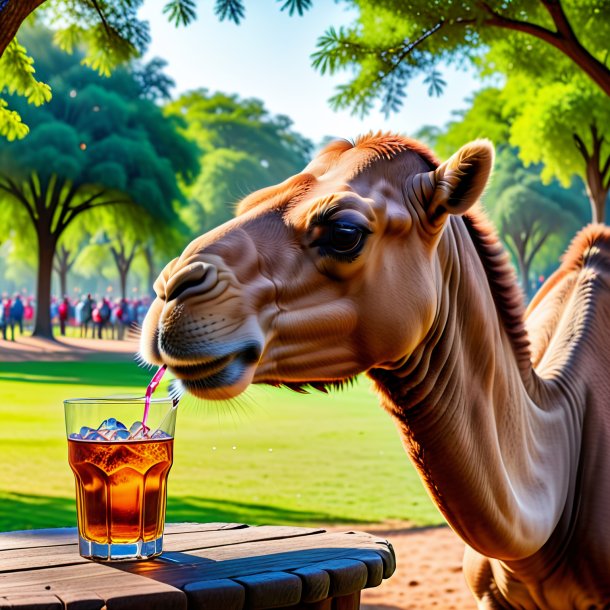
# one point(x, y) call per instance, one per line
point(428, 571)
point(429, 560)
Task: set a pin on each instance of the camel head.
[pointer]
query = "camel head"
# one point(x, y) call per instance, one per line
point(329, 274)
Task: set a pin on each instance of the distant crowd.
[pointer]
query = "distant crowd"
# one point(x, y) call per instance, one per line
point(101, 318)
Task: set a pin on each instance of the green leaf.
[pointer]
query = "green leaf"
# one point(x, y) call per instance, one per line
point(11, 125)
point(233, 10)
point(436, 85)
point(67, 38)
point(299, 6)
point(180, 12)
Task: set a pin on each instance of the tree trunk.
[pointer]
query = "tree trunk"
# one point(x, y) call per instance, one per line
point(598, 198)
point(524, 270)
point(12, 15)
point(46, 251)
point(63, 282)
point(597, 191)
point(597, 173)
point(152, 272)
point(123, 270)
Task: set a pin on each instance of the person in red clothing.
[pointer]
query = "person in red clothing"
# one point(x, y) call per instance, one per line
point(63, 312)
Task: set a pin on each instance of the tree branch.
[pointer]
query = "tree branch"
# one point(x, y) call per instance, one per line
point(605, 174)
point(63, 220)
point(536, 247)
point(12, 16)
point(555, 10)
point(581, 147)
point(87, 204)
point(498, 20)
point(13, 190)
point(563, 39)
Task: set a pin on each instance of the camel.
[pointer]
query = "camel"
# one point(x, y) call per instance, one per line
point(378, 259)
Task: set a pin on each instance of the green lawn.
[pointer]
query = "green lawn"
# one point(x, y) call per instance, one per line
point(272, 456)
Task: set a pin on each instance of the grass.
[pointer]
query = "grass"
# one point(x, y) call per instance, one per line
point(271, 457)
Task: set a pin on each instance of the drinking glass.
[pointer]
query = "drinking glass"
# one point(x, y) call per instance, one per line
point(120, 469)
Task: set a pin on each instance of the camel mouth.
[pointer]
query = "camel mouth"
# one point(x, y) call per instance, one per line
point(218, 377)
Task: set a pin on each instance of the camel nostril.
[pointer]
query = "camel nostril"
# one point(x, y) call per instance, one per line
point(191, 276)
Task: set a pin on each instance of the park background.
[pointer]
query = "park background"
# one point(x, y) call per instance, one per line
point(114, 155)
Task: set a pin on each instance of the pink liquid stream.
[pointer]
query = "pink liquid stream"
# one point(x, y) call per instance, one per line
point(152, 386)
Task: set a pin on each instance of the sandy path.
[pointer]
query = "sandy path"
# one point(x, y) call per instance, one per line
point(66, 349)
point(428, 571)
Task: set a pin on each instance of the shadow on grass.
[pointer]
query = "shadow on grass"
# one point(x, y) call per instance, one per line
point(191, 508)
point(27, 511)
point(79, 373)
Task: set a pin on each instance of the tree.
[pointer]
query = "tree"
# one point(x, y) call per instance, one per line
point(565, 125)
point(243, 148)
point(95, 145)
point(535, 220)
point(527, 220)
point(392, 41)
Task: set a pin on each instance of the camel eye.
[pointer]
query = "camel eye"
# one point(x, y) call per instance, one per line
point(345, 237)
point(340, 239)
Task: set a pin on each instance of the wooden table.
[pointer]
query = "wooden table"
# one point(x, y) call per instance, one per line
point(211, 566)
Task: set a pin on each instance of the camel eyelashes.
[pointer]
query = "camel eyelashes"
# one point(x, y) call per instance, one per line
point(340, 240)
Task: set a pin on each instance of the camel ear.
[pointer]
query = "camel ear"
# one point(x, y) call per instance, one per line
point(454, 186)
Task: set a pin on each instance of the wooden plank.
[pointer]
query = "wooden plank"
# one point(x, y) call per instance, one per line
point(346, 576)
point(374, 566)
point(24, 601)
point(26, 539)
point(153, 600)
point(113, 585)
point(82, 601)
point(389, 558)
point(316, 583)
point(39, 557)
point(271, 590)
point(210, 594)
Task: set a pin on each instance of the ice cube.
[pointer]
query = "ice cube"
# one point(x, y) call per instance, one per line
point(94, 435)
point(138, 431)
point(122, 434)
point(160, 434)
point(75, 436)
point(86, 430)
point(111, 424)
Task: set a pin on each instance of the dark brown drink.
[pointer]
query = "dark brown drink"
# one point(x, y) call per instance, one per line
point(121, 489)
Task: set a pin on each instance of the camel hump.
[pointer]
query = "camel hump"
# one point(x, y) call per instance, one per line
point(589, 248)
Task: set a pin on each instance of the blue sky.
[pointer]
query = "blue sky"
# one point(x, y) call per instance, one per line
point(267, 57)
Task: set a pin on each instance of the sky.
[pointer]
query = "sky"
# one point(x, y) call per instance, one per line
point(267, 56)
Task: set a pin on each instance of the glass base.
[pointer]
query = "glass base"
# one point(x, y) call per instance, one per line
point(119, 551)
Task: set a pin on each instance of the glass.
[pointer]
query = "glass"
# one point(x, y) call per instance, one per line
point(121, 485)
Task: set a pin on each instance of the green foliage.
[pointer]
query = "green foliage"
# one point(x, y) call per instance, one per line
point(243, 149)
point(548, 116)
point(391, 42)
point(17, 77)
point(486, 117)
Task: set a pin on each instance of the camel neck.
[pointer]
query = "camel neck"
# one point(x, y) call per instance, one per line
point(491, 455)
